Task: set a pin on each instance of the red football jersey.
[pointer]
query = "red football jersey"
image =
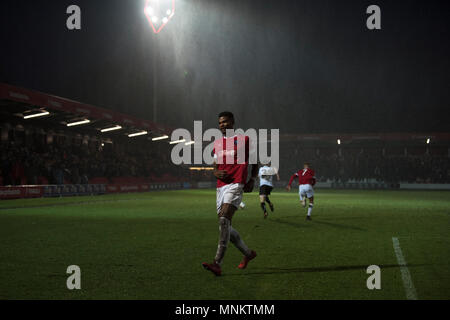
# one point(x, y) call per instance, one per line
point(305, 176)
point(232, 154)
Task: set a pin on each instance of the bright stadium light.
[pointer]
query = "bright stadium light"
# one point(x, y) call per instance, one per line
point(40, 114)
point(159, 13)
point(428, 141)
point(77, 123)
point(137, 134)
point(338, 141)
point(177, 141)
point(189, 143)
point(148, 10)
point(111, 129)
point(160, 138)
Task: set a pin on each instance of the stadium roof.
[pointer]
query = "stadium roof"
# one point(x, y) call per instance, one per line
point(18, 102)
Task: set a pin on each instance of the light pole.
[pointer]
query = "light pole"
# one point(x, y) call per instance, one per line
point(158, 13)
point(155, 82)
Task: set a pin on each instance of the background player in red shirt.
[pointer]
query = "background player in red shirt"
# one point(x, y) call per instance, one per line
point(306, 181)
point(231, 173)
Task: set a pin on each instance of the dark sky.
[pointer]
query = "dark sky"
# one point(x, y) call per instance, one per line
point(304, 66)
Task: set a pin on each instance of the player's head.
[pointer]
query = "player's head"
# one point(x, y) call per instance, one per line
point(226, 121)
point(306, 165)
point(267, 164)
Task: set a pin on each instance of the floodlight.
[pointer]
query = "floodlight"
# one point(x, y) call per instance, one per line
point(40, 114)
point(137, 134)
point(159, 13)
point(111, 129)
point(177, 141)
point(160, 138)
point(77, 123)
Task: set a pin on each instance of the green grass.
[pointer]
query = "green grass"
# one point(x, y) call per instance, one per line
point(151, 245)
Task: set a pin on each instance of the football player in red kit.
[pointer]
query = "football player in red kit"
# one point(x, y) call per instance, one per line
point(306, 181)
point(231, 154)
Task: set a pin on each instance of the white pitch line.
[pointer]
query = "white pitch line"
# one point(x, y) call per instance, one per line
point(406, 276)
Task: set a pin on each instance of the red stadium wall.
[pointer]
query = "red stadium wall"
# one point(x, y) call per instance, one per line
point(22, 192)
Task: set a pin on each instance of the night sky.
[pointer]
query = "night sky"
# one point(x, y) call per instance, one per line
point(300, 66)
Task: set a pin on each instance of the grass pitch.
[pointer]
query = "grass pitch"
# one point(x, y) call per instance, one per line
point(151, 245)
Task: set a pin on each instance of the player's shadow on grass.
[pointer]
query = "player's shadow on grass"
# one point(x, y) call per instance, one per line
point(290, 223)
point(309, 223)
point(340, 226)
point(318, 269)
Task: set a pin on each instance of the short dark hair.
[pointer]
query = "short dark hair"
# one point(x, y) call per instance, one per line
point(307, 163)
point(226, 114)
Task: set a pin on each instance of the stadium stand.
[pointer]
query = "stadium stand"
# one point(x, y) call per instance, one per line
point(369, 158)
point(44, 151)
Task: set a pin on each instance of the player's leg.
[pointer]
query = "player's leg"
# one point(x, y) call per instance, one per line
point(310, 207)
point(226, 213)
point(310, 195)
point(302, 196)
point(269, 189)
point(262, 200)
point(234, 199)
point(249, 254)
point(302, 199)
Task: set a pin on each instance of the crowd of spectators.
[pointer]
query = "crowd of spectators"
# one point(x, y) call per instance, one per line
point(59, 163)
point(73, 161)
point(363, 167)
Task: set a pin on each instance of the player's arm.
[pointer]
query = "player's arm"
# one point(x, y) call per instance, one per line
point(313, 180)
point(288, 187)
point(278, 177)
point(219, 174)
point(248, 187)
point(251, 182)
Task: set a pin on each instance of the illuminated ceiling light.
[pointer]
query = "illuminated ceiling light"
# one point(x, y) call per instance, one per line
point(168, 12)
point(338, 141)
point(177, 141)
point(428, 141)
point(201, 168)
point(40, 114)
point(155, 19)
point(160, 138)
point(164, 20)
point(111, 129)
point(77, 123)
point(137, 134)
point(189, 143)
point(103, 144)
